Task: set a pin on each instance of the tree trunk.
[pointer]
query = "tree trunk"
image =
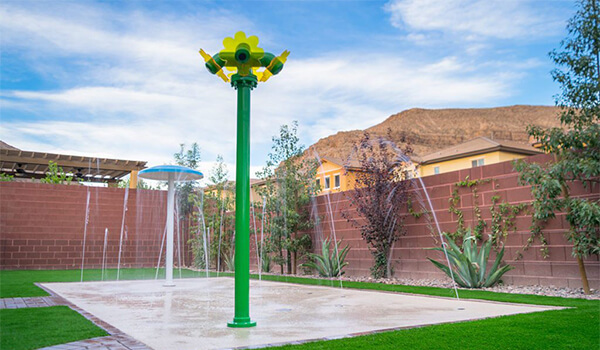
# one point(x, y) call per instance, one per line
point(189, 254)
point(584, 280)
point(281, 260)
point(294, 259)
point(289, 262)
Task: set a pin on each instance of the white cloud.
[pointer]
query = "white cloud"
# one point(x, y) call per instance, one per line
point(99, 32)
point(135, 87)
point(474, 19)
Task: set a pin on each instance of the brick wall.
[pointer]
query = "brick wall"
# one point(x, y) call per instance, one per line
point(42, 226)
point(409, 254)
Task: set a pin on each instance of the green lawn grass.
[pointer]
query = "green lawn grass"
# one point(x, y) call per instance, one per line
point(20, 283)
point(575, 328)
point(564, 329)
point(33, 328)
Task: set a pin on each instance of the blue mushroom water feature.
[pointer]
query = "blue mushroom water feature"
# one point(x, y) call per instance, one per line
point(171, 174)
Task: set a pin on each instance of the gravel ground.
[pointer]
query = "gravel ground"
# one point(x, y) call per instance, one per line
point(447, 283)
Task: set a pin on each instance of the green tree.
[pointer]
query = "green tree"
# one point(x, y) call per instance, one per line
point(56, 175)
point(189, 158)
point(221, 200)
point(6, 178)
point(216, 201)
point(219, 174)
point(575, 146)
point(289, 186)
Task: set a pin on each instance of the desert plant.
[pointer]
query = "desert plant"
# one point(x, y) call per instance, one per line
point(266, 263)
point(469, 265)
point(230, 261)
point(328, 263)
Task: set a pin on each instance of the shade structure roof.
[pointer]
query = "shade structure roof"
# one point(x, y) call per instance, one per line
point(32, 164)
point(179, 173)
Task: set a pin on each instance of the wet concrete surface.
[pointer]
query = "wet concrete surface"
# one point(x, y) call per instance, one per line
point(194, 313)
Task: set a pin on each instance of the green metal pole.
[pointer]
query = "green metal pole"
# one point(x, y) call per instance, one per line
point(241, 319)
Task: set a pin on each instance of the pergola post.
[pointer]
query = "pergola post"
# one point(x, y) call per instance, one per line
point(133, 179)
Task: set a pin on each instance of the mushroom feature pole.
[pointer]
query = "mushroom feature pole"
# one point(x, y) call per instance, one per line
point(170, 173)
point(246, 65)
point(170, 224)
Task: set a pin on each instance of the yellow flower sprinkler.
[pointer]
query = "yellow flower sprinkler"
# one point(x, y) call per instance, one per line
point(242, 56)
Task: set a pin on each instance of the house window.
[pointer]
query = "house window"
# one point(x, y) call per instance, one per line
point(336, 181)
point(476, 163)
point(436, 170)
point(318, 183)
point(327, 182)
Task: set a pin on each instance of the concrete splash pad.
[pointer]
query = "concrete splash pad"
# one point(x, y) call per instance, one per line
point(194, 313)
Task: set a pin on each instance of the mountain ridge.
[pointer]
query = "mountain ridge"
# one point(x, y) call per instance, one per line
point(430, 130)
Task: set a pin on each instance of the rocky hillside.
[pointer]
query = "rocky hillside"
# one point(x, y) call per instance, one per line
point(430, 130)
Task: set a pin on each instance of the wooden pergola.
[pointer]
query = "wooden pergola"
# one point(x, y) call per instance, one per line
point(34, 165)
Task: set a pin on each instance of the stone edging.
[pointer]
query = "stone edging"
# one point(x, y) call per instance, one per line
point(116, 335)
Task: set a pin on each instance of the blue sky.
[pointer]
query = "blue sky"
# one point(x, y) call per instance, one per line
point(124, 79)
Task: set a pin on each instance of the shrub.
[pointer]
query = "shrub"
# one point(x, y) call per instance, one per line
point(378, 196)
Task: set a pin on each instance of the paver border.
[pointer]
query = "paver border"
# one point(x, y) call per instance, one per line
point(123, 338)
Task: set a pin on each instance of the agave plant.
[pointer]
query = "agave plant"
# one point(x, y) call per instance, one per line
point(230, 261)
point(469, 265)
point(328, 263)
point(266, 263)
